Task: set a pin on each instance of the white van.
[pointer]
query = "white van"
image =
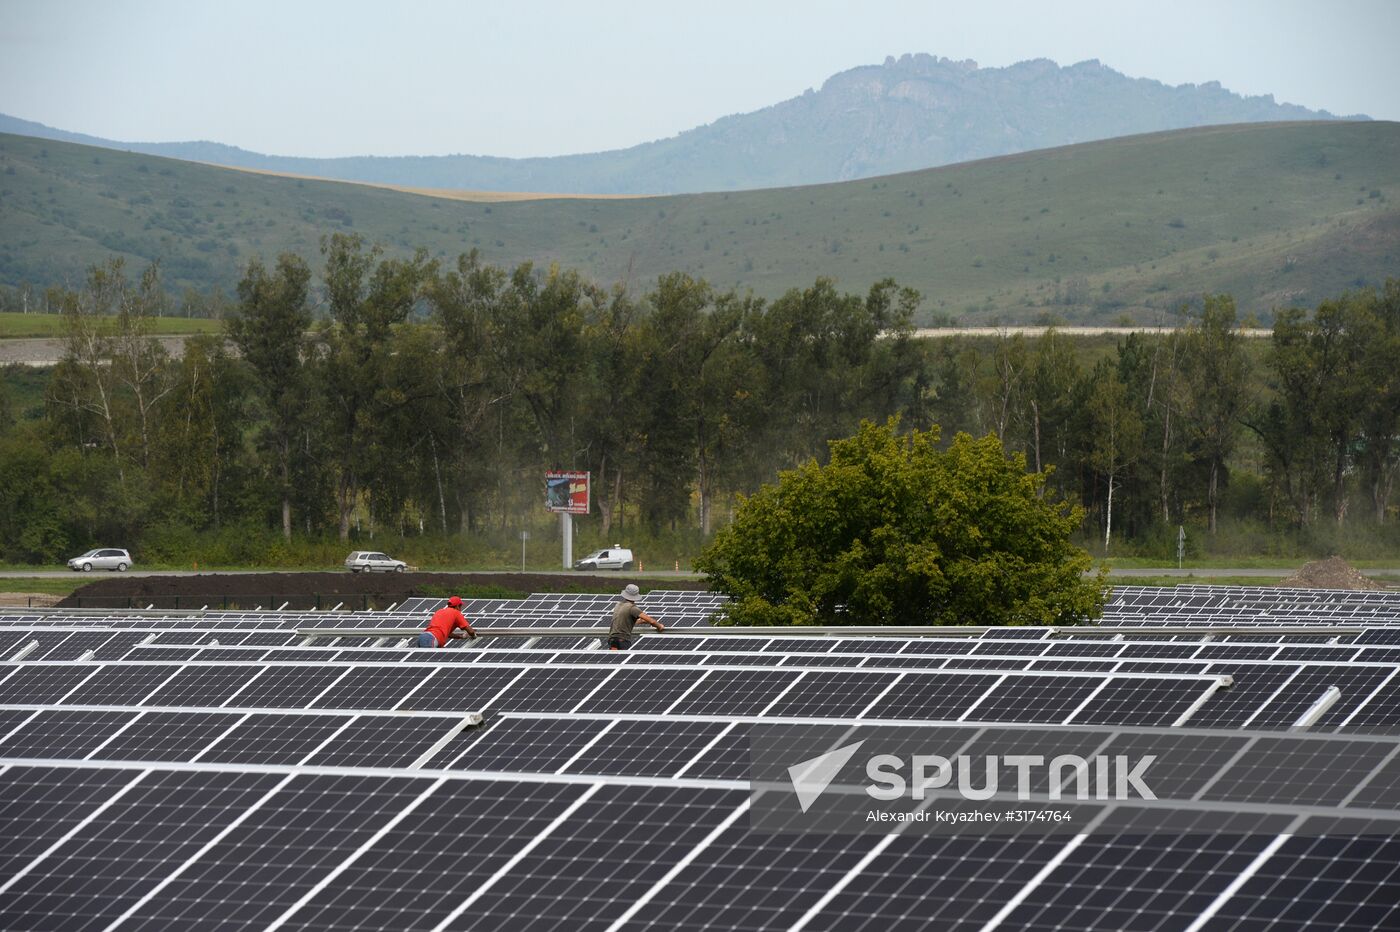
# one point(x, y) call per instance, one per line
point(614, 558)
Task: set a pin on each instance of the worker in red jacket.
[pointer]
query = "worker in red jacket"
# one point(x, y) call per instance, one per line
point(447, 623)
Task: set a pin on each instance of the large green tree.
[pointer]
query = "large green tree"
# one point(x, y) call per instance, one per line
point(269, 328)
point(894, 530)
point(1217, 376)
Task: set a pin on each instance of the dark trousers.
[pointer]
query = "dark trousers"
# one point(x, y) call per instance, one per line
point(619, 643)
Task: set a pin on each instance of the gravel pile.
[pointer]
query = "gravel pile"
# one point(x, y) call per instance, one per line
point(1332, 573)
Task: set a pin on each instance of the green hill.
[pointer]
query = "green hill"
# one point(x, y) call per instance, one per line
point(1277, 214)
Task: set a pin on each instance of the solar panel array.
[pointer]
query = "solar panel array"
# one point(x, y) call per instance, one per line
point(171, 770)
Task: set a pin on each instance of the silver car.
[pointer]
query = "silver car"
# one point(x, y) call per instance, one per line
point(103, 558)
point(368, 561)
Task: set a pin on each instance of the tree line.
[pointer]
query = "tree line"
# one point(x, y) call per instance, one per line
point(421, 396)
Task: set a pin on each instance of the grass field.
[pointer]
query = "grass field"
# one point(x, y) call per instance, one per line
point(18, 326)
point(49, 585)
point(1276, 214)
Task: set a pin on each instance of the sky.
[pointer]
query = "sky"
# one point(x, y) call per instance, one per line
point(435, 77)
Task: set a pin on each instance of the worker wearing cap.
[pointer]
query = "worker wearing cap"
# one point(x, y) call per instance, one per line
point(447, 623)
point(625, 616)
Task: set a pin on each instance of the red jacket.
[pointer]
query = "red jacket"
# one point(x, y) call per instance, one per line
point(445, 621)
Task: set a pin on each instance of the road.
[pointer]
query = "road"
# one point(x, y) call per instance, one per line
point(47, 351)
point(103, 574)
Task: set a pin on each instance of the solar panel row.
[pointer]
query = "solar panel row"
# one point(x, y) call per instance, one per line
point(610, 791)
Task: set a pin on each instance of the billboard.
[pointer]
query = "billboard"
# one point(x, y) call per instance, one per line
point(566, 492)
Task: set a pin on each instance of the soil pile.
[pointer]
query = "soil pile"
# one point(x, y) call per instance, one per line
point(29, 599)
point(324, 590)
point(1332, 573)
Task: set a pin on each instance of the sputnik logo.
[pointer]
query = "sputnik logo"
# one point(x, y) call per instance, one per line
point(811, 777)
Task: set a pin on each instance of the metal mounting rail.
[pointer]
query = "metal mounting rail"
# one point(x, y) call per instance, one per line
point(890, 631)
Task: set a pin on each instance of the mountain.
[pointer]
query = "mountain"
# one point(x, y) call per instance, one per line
point(1280, 214)
point(917, 111)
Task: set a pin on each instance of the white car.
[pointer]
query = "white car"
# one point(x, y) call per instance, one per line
point(103, 558)
point(614, 558)
point(369, 561)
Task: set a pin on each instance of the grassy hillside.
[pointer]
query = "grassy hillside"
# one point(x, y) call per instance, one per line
point(1277, 214)
point(15, 326)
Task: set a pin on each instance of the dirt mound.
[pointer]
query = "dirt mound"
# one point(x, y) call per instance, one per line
point(29, 599)
point(1332, 573)
point(324, 590)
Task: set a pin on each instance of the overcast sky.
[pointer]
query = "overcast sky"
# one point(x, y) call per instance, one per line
point(432, 77)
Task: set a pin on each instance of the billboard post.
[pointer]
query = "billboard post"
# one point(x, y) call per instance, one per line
point(567, 492)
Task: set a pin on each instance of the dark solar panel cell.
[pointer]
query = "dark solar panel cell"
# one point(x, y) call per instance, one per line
point(932, 697)
point(742, 660)
point(129, 848)
point(278, 854)
point(375, 688)
point(1136, 881)
point(1317, 654)
point(640, 691)
point(286, 687)
point(1081, 666)
point(1034, 699)
point(921, 661)
point(1141, 702)
point(645, 749)
point(1158, 650)
point(550, 690)
point(832, 695)
point(1231, 652)
point(735, 692)
point(803, 645)
point(464, 689)
point(986, 663)
point(41, 685)
point(1081, 648)
point(1253, 685)
point(826, 660)
point(1379, 713)
point(1310, 685)
point(726, 759)
point(62, 734)
point(202, 686)
point(399, 884)
point(524, 745)
point(1290, 772)
point(936, 882)
point(579, 881)
point(39, 805)
point(932, 646)
point(121, 685)
point(383, 741)
point(749, 881)
point(1332, 881)
point(167, 736)
point(1147, 666)
point(74, 646)
point(118, 646)
point(274, 739)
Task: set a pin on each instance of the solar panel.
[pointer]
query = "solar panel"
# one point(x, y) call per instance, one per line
point(643, 748)
point(260, 782)
point(123, 853)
